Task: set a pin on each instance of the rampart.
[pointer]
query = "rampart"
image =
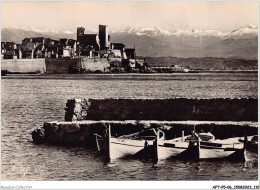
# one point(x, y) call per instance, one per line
point(53, 65)
point(62, 65)
point(94, 64)
point(23, 65)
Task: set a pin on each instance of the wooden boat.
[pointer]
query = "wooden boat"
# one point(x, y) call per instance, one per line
point(173, 148)
point(198, 146)
point(138, 145)
point(147, 146)
point(218, 149)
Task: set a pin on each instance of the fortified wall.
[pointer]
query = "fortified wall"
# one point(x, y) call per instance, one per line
point(52, 65)
point(62, 65)
point(94, 64)
point(23, 65)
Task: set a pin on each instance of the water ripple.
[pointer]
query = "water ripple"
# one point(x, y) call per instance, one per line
point(28, 103)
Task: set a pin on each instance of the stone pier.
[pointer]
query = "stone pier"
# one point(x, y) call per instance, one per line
point(224, 118)
point(179, 109)
point(81, 132)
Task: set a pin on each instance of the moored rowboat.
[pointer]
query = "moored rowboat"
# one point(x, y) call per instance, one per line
point(138, 145)
point(218, 149)
point(169, 149)
point(198, 146)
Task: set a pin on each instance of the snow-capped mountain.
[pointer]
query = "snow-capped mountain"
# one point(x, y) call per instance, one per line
point(242, 42)
point(249, 30)
point(40, 30)
point(147, 31)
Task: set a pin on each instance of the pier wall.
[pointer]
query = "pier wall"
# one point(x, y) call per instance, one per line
point(179, 109)
point(23, 65)
point(81, 132)
point(224, 118)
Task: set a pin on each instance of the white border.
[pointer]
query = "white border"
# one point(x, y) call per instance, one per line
point(126, 184)
point(129, 184)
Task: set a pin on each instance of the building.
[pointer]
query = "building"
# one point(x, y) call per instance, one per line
point(39, 51)
point(93, 44)
point(9, 50)
point(130, 53)
point(96, 46)
point(121, 47)
point(26, 40)
point(38, 41)
point(41, 47)
point(28, 50)
point(118, 46)
point(80, 33)
point(87, 41)
point(51, 51)
point(67, 48)
point(103, 37)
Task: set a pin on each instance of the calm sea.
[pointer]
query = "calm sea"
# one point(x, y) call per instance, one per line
point(29, 101)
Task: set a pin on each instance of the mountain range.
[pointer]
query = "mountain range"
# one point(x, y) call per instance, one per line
point(155, 42)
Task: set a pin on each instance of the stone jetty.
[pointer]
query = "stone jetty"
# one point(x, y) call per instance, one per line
point(224, 118)
point(178, 109)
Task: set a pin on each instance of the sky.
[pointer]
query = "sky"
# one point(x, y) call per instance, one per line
point(223, 16)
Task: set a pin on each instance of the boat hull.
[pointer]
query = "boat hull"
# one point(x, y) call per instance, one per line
point(215, 151)
point(125, 148)
point(168, 150)
point(116, 148)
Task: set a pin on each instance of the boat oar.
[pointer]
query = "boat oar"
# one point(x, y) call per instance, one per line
point(97, 141)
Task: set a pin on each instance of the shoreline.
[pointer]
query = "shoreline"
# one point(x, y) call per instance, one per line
point(119, 75)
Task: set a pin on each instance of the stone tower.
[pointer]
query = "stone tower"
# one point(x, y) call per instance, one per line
point(103, 37)
point(80, 33)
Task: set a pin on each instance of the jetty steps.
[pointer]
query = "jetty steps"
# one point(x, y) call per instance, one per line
point(224, 118)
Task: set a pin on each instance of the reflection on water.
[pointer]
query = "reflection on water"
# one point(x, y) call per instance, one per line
point(28, 103)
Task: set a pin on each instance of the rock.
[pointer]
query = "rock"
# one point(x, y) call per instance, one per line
point(38, 136)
